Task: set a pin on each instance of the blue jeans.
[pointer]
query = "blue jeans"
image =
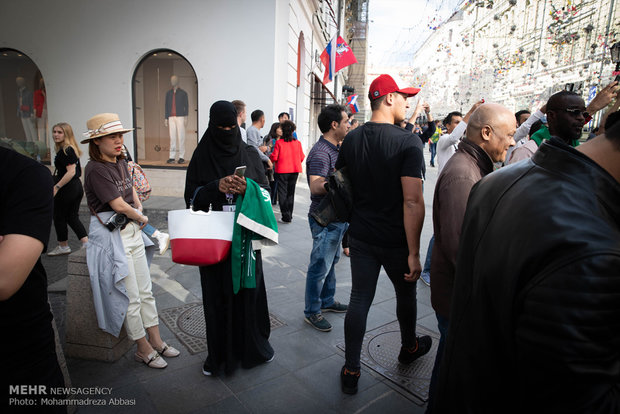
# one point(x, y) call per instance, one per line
point(433, 147)
point(429, 253)
point(149, 230)
point(366, 262)
point(321, 277)
point(442, 324)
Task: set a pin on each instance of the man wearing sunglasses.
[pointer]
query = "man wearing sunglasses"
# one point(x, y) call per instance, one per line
point(567, 112)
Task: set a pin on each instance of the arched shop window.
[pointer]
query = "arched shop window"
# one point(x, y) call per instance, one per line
point(165, 102)
point(23, 107)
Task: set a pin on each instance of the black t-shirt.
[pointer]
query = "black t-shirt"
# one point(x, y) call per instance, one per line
point(377, 155)
point(26, 205)
point(106, 181)
point(63, 158)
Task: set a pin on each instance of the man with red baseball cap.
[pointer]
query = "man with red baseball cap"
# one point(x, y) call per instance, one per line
point(384, 163)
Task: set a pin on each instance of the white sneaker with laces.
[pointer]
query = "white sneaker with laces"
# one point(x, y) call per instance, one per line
point(59, 250)
point(163, 239)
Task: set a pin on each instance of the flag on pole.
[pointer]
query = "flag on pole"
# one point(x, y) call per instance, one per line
point(352, 104)
point(336, 56)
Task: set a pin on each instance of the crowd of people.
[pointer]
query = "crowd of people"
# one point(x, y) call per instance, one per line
point(523, 265)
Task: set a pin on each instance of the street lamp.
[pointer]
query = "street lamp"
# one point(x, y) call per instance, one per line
point(615, 58)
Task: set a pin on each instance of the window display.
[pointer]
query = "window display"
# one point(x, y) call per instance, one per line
point(23, 107)
point(165, 110)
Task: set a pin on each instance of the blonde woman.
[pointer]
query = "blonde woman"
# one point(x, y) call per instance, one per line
point(68, 190)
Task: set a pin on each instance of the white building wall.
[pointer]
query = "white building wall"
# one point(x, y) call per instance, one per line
point(88, 50)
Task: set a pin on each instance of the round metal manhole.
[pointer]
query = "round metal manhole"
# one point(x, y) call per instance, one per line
point(384, 349)
point(192, 322)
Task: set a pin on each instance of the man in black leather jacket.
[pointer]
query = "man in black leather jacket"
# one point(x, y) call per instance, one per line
point(535, 326)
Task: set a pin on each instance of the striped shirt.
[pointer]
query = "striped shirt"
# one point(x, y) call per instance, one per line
point(321, 161)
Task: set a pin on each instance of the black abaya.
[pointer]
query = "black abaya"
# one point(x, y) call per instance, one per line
point(238, 325)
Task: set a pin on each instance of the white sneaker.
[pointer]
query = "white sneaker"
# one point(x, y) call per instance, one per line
point(163, 239)
point(59, 250)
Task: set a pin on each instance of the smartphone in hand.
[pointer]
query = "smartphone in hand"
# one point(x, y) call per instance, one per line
point(240, 171)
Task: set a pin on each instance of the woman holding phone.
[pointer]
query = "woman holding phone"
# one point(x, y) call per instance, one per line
point(237, 325)
point(118, 261)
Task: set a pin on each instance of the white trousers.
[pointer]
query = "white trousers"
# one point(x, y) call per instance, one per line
point(42, 126)
point(176, 127)
point(142, 312)
point(29, 129)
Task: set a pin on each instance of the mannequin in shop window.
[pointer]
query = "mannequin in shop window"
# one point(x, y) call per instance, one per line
point(176, 120)
point(25, 109)
point(40, 110)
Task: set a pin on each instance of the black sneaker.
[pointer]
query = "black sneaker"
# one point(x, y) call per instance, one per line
point(318, 322)
point(181, 161)
point(206, 369)
point(335, 307)
point(170, 161)
point(348, 381)
point(423, 345)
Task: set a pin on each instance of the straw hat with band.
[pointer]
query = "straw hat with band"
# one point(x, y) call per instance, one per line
point(103, 124)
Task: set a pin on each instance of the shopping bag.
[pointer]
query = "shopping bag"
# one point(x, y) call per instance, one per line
point(198, 238)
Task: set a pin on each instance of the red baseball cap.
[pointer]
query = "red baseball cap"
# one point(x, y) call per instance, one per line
point(384, 84)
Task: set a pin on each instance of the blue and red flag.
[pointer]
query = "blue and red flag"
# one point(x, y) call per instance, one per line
point(334, 62)
point(352, 104)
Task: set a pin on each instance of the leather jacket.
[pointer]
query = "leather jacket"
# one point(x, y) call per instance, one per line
point(535, 319)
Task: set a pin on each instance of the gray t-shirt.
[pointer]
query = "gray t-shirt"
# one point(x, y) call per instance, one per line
point(254, 139)
point(106, 181)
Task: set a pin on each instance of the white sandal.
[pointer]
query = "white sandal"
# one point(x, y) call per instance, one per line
point(153, 360)
point(167, 351)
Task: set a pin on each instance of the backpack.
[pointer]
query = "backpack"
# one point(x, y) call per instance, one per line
point(140, 183)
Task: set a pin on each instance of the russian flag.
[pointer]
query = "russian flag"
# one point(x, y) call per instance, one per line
point(352, 104)
point(336, 56)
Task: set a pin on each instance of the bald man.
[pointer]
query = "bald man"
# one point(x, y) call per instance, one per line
point(490, 133)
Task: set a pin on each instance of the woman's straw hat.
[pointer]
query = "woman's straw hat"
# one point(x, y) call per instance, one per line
point(103, 124)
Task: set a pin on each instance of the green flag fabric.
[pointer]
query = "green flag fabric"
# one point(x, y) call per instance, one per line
point(255, 226)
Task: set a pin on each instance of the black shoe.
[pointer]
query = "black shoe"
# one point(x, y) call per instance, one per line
point(170, 161)
point(181, 161)
point(423, 345)
point(348, 381)
point(206, 369)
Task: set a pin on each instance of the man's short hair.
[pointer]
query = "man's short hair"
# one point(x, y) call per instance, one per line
point(281, 114)
point(239, 105)
point(375, 103)
point(556, 100)
point(331, 113)
point(448, 119)
point(521, 112)
point(535, 127)
point(354, 121)
point(255, 116)
point(612, 119)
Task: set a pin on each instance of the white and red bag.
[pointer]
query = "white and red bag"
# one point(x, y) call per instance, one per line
point(198, 238)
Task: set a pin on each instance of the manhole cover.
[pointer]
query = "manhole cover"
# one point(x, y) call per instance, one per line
point(192, 322)
point(380, 353)
point(187, 322)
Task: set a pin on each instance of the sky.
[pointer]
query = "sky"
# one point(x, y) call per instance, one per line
point(397, 28)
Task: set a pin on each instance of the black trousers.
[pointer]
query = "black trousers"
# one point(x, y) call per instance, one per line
point(66, 207)
point(286, 194)
point(366, 262)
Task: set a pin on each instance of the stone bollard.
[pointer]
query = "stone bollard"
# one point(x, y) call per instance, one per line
point(84, 339)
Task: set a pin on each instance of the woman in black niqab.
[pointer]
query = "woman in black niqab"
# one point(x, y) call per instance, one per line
point(238, 325)
point(218, 153)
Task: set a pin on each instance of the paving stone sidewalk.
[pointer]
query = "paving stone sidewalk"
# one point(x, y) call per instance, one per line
point(303, 378)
